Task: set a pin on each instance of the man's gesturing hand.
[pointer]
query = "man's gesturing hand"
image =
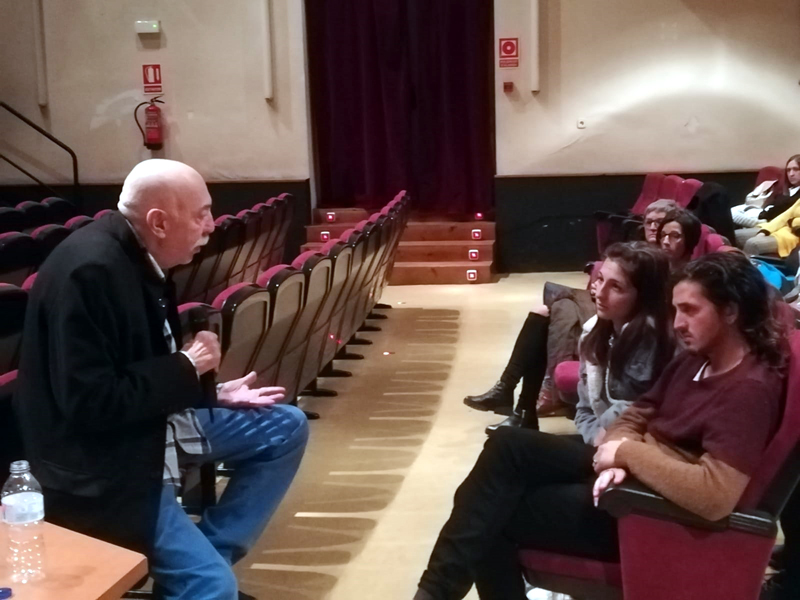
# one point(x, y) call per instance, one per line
point(205, 352)
point(238, 393)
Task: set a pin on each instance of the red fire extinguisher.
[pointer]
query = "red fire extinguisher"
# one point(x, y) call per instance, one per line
point(153, 132)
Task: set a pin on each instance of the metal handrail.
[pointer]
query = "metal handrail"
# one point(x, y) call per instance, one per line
point(19, 168)
point(56, 141)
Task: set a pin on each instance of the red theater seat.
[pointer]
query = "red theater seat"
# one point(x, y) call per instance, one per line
point(59, 211)
point(19, 257)
point(686, 191)
point(286, 287)
point(49, 236)
point(245, 310)
point(11, 219)
point(34, 213)
point(76, 223)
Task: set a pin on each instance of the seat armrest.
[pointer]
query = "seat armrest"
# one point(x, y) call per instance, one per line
point(632, 497)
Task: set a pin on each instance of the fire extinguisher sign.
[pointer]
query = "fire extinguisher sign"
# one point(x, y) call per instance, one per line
point(509, 53)
point(151, 79)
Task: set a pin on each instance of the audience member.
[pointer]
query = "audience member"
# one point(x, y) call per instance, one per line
point(772, 232)
point(111, 413)
point(628, 343)
point(533, 489)
point(653, 217)
point(548, 337)
point(678, 235)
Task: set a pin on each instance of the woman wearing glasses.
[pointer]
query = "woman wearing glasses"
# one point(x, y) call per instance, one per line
point(678, 235)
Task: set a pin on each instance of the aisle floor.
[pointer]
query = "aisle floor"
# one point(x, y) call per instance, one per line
point(384, 460)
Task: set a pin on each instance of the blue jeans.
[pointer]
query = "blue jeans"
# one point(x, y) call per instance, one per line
point(264, 447)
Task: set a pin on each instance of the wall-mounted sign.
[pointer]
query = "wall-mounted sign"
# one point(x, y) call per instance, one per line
point(151, 79)
point(509, 53)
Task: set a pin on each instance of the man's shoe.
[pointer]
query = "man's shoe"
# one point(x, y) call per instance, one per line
point(499, 399)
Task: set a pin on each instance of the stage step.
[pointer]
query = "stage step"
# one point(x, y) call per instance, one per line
point(415, 231)
point(339, 215)
point(443, 272)
point(437, 251)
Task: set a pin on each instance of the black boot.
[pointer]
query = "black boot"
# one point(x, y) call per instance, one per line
point(519, 419)
point(499, 399)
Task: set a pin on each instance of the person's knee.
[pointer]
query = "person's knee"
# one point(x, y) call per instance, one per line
point(221, 583)
point(504, 440)
point(751, 246)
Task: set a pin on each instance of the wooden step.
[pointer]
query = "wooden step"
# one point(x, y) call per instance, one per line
point(448, 250)
point(415, 231)
point(339, 215)
point(433, 273)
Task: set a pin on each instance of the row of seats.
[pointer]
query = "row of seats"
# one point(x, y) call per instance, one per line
point(286, 326)
point(240, 248)
point(290, 324)
point(656, 186)
point(27, 216)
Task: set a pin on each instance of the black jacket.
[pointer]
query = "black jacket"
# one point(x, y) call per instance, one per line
point(779, 204)
point(97, 382)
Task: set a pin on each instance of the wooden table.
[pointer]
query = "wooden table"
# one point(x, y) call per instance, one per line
point(77, 567)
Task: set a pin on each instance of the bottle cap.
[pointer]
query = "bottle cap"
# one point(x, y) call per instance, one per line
point(5, 593)
point(19, 466)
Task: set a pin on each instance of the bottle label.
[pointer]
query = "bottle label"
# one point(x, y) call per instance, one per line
point(25, 507)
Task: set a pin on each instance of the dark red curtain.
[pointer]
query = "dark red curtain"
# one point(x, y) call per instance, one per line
point(402, 97)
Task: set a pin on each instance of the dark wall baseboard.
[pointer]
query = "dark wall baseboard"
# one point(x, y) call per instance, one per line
point(228, 197)
point(547, 223)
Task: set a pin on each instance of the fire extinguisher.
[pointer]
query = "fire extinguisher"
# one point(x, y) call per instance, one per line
point(153, 132)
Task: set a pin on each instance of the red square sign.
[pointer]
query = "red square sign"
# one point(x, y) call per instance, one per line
point(509, 53)
point(151, 79)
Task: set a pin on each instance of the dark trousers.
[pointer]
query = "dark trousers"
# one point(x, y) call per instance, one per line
point(528, 362)
point(790, 523)
point(528, 489)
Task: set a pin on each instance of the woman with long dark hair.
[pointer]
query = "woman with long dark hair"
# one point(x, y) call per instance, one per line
point(628, 343)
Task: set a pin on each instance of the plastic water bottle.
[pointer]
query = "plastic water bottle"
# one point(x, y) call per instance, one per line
point(23, 511)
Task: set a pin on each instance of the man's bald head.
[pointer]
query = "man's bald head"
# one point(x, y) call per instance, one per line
point(158, 183)
point(168, 204)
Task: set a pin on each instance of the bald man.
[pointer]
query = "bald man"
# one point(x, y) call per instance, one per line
point(111, 411)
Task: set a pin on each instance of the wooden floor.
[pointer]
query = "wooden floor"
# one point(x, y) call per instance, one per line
point(378, 478)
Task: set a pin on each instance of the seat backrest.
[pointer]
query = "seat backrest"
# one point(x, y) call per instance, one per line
point(686, 191)
point(245, 309)
point(76, 223)
point(102, 213)
point(252, 229)
point(59, 211)
point(771, 174)
point(198, 316)
point(13, 301)
point(269, 232)
point(11, 219)
point(19, 257)
point(199, 273)
point(286, 287)
point(668, 190)
point(649, 193)
point(231, 233)
point(34, 213)
point(779, 468)
point(50, 236)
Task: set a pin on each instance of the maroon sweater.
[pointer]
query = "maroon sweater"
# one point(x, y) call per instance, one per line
point(698, 442)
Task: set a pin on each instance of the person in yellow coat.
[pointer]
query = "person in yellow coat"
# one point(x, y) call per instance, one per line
point(777, 236)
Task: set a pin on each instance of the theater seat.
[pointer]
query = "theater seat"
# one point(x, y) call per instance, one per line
point(668, 190)
point(11, 219)
point(771, 174)
point(649, 193)
point(667, 552)
point(19, 257)
point(286, 287)
point(34, 213)
point(49, 236)
point(566, 376)
point(13, 301)
point(686, 191)
point(59, 211)
point(245, 310)
point(76, 223)
point(317, 272)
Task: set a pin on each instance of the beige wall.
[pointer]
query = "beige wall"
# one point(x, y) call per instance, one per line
point(672, 85)
point(210, 52)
